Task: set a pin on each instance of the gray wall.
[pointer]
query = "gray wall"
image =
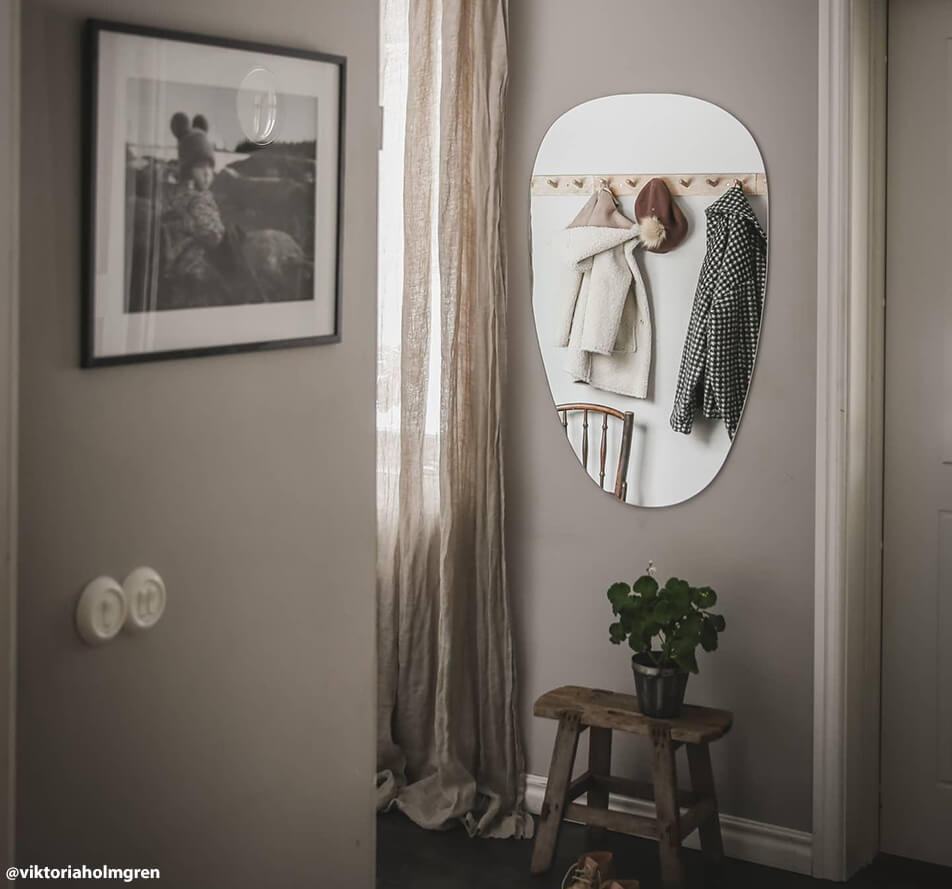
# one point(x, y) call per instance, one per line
point(750, 534)
point(232, 745)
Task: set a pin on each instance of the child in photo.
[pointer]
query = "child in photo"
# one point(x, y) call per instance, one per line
point(192, 224)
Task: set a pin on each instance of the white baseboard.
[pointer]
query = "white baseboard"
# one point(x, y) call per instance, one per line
point(766, 844)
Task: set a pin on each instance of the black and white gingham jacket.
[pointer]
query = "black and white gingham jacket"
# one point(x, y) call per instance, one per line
point(721, 343)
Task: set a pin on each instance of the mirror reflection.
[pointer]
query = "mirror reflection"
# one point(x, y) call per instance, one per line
point(649, 260)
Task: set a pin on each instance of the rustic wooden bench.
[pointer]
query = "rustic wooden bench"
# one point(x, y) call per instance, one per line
point(602, 712)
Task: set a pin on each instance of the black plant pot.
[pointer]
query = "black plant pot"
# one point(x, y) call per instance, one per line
point(660, 690)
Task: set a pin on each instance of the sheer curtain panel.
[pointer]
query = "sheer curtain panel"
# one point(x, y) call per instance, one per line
point(448, 740)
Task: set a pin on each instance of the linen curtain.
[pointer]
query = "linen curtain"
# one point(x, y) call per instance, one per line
point(448, 741)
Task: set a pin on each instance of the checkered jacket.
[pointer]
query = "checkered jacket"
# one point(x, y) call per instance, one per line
point(721, 344)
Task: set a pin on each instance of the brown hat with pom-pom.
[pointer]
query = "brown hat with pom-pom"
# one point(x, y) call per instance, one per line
point(660, 220)
point(194, 146)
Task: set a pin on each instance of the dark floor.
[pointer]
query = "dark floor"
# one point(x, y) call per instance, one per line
point(411, 858)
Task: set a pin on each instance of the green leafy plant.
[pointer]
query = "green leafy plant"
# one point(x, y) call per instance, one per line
point(676, 615)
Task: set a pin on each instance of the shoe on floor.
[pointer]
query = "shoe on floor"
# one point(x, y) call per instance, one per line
point(593, 870)
point(622, 884)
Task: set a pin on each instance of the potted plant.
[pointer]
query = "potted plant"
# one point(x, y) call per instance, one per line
point(663, 626)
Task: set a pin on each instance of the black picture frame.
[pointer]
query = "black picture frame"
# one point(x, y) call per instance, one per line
point(93, 30)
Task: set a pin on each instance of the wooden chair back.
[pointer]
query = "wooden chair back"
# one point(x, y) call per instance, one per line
point(624, 452)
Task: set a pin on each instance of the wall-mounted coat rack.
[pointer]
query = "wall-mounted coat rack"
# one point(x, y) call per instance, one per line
point(632, 183)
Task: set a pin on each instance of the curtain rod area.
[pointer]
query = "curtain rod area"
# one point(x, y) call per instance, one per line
point(631, 183)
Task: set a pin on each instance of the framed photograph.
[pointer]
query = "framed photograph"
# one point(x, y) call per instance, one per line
point(214, 175)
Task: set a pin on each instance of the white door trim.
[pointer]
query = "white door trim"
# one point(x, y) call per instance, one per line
point(9, 383)
point(848, 551)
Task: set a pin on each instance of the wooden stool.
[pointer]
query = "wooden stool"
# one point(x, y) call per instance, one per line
point(577, 709)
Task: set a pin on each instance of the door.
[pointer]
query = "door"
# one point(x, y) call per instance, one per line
point(917, 569)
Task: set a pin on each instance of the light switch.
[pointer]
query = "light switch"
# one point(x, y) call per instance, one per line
point(145, 593)
point(101, 611)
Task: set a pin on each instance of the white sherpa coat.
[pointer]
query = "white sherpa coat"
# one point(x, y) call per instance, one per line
point(602, 309)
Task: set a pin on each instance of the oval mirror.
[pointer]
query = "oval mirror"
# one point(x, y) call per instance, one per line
point(649, 258)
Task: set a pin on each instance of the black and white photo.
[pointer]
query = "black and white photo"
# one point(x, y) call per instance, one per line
point(214, 196)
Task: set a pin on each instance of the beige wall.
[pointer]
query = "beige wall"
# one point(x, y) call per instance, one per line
point(232, 746)
point(750, 534)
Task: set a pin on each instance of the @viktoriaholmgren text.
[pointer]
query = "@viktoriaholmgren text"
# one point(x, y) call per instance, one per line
point(83, 872)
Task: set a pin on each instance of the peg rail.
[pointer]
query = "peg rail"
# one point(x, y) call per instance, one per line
point(685, 184)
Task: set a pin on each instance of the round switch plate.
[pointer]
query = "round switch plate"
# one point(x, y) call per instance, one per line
point(101, 611)
point(145, 593)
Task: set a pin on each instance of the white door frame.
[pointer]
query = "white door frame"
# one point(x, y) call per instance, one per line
point(849, 455)
point(9, 382)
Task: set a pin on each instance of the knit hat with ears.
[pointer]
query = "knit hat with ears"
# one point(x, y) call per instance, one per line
point(193, 145)
point(660, 219)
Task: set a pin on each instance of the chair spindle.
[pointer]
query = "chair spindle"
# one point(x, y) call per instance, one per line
point(585, 440)
point(604, 452)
